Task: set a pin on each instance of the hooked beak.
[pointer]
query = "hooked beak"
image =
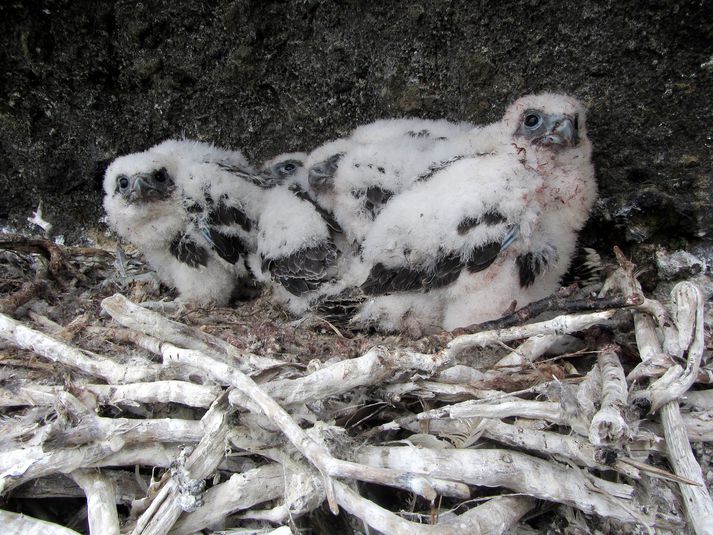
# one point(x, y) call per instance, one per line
point(145, 188)
point(563, 133)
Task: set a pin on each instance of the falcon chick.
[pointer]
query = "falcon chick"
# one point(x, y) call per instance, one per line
point(355, 177)
point(191, 209)
point(494, 226)
point(296, 251)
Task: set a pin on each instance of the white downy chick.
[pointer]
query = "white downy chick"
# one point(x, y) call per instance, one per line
point(551, 129)
point(191, 209)
point(355, 177)
point(296, 251)
point(495, 227)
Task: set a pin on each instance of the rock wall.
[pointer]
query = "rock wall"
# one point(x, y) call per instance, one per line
point(84, 81)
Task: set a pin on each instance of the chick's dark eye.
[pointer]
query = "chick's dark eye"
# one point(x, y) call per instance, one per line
point(123, 182)
point(289, 167)
point(532, 120)
point(160, 175)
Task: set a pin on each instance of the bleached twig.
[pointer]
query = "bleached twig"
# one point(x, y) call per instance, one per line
point(21, 465)
point(19, 524)
point(182, 492)
point(699, 426)
point(57, 351)
point(494, 517)
point(154, 324)
point(558, 325)
point(543, 442)
point(517, 471)
point(535, 410)
point(101, 497)
point(696, 499)
point(61, 486)
point(241, 491)
point(128, 431)
point(527, 352)
point(608, 424)
point(688, 301)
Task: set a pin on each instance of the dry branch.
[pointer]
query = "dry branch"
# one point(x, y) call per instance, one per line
point(516, 471)
point(608, 424)
point(154, 324)
point(101, 497)
point(496, 516)
point(17, 524)
point(313, 451)
point(58, 351)
point(241, 491)
point(183, 491)
point(558, 325)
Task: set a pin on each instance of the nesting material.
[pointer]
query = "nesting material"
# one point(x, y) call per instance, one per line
point(239, 419)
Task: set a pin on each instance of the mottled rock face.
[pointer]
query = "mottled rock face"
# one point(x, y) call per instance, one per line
point(83, 82)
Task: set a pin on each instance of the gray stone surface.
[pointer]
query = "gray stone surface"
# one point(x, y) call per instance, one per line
point(83, 82)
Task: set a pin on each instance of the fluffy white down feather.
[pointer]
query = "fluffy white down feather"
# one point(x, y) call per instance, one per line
point(199, 172)
point(388, 155)
point(545, 193)
point(290, 224)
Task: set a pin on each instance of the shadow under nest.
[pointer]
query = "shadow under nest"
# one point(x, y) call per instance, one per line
point(566, 415)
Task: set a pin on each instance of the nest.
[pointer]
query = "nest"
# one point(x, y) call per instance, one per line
point(120, 417)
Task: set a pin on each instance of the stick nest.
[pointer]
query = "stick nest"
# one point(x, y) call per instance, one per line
point(125, 413)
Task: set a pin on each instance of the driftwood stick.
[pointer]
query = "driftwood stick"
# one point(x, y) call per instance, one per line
point(185, 393)
point(517, 471)
point(128, 431)
point(558, 301)
point(57, 351)
point(374, 367)
point(700, 399)
point(535, 410)
point(19, 524)
point(558, 325)
point(543, 442)
point(182, 392)
point(608, 424)
point(241, 491)
point(22, 465)
point(154, 324)
point(688, 300)
point(527, 352)
point(101, 497)
point(61, 486)
point(182, 492)
point(699, 426)
point(317, 454)
point(696, 498)
point(496, 516)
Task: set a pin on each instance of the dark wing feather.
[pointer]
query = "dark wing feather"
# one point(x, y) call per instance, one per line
point(481, 257)
point(383, 280)
point(189, 252)
point(489, 218)
point(262, 180)
point(229, 247)
point(531, 265)
point(304, 270)
point(222, 214)
point(447, 270)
